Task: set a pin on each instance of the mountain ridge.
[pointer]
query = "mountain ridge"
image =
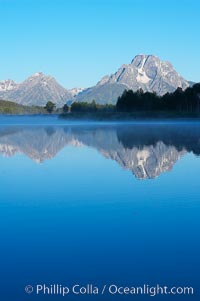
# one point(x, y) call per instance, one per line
point(146, 72)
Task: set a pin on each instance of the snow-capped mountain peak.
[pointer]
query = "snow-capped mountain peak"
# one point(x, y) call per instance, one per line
point(147, 72)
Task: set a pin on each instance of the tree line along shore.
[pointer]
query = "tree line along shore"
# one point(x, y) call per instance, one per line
point(179, 103)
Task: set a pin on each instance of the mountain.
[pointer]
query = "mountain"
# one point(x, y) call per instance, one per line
point(35, 91)
point(147, 72)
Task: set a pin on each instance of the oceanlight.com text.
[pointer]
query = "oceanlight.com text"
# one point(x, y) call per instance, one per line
point(111, 289)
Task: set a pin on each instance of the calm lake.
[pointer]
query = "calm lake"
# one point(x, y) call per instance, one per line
point(98, 203)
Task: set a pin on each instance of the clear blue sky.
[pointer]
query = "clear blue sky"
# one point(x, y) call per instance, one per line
point(79, 41)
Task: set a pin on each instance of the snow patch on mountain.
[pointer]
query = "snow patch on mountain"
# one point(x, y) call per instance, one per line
point(142, 77)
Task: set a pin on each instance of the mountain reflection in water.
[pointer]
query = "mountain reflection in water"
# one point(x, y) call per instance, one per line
point(145, 150)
